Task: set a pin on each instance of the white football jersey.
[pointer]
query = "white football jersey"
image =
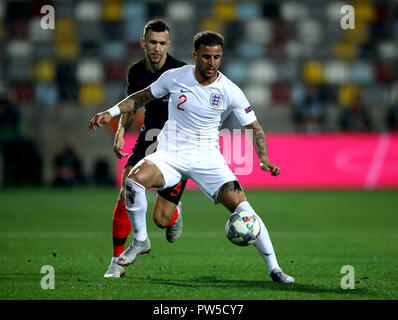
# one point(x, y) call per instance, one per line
point(196, 111)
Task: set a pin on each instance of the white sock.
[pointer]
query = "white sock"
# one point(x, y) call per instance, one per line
point(263, 242)
point(136, 206)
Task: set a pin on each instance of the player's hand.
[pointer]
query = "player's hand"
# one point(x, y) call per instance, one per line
point(268, 166)
point(99, 119)
point(118, 145)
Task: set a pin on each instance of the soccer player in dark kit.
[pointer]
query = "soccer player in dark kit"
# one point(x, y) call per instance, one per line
point(155, 41)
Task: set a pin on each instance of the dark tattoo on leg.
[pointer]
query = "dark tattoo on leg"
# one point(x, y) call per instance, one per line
point(231, 186)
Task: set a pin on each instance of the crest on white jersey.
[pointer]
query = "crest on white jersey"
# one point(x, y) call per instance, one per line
point(215, 100)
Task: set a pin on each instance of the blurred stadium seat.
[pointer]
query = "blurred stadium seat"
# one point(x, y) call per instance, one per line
point(44, 71)
point(89, 70)
point(224, 11)
point(236, 70)
point(36, 33)
point(46, 94)
point(262, 72)
point(180, 11)
point(112, 10)
point(91, 94)
point(273, 48)
point(88, 10)
point(248, 10)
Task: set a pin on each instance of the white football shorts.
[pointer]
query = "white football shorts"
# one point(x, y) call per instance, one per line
point(208, 170)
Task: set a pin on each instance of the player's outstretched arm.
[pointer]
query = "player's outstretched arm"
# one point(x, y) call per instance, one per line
point(126, 119)
point(132, 103)
point(260, 146)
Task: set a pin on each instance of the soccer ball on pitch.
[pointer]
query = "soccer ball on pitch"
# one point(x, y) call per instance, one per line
point(242, 228)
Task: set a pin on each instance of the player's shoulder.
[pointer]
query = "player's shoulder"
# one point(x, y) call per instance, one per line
point(174, 63)
point(137, 66)
point(228, 83)
point(179, 71)
point(232, 92)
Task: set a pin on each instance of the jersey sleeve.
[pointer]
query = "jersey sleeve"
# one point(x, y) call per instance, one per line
point(241, 106)
point(161, 87)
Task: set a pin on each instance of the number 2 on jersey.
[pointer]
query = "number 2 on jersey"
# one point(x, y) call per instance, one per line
point(184, 98)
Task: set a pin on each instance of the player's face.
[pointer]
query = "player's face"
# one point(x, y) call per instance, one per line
point(156, 45)
point(208, 60)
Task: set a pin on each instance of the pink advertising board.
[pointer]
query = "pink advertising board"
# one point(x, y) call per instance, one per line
point(322, 161)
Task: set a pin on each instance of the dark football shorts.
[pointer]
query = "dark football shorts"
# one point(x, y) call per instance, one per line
point(172, 194)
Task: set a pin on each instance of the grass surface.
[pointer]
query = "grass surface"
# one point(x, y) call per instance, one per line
point(314, 234)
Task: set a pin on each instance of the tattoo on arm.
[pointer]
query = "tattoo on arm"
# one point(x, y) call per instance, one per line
point(259, 142)
point(136, 100)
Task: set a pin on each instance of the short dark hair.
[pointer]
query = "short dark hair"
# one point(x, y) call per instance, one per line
point(156, 25)
point(207, 38)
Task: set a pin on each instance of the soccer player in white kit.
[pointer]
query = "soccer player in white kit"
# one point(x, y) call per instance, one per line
point(200, 98)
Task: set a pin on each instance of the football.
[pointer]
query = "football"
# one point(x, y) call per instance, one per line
point(242, 228)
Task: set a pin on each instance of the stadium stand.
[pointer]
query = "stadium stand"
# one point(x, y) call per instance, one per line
point(274, 51)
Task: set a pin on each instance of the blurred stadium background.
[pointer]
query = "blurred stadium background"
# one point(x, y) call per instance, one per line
point(300, 70)
point(326, 97)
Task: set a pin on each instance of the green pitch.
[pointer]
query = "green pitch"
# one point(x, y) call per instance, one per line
point(315, 233)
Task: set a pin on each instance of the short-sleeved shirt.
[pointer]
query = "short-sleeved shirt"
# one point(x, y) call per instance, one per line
point(139, 77)
point(196, 112)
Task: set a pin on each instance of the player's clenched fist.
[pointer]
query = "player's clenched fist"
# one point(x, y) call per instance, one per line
point(268, 166)
point(99, 119)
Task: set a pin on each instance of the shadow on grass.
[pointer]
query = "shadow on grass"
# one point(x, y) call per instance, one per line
point(215, 283)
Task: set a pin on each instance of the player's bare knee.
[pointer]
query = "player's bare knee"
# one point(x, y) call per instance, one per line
point(147, 175)
point(138, 176)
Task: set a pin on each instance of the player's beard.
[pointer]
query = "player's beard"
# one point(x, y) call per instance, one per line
point(155, 60)
point(204, 74)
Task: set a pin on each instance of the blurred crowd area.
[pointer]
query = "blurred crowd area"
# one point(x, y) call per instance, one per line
point(299, 69)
